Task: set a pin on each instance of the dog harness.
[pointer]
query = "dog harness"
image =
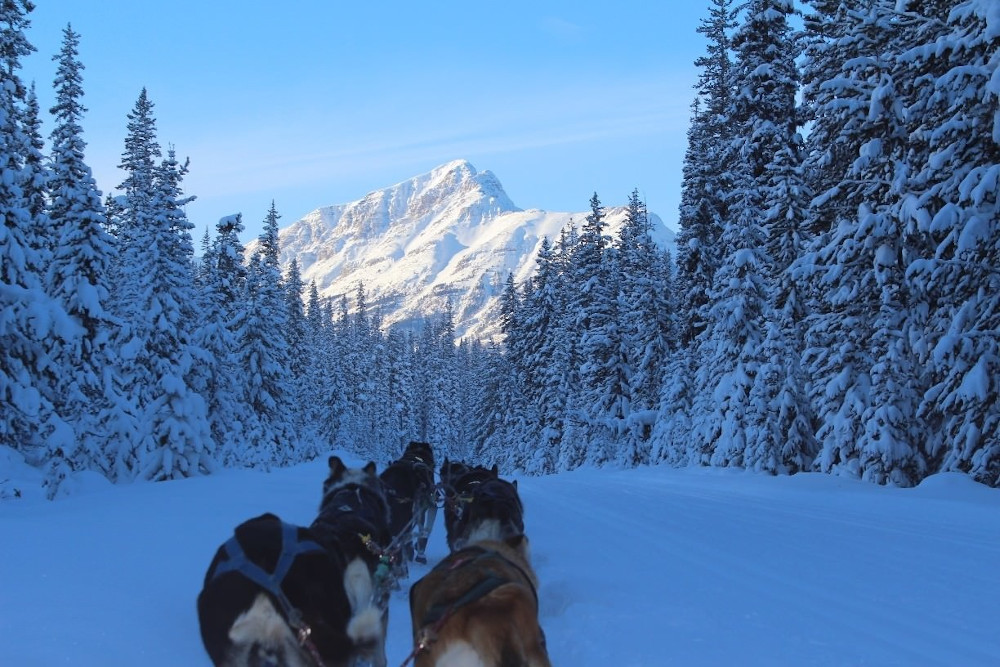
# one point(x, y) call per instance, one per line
point(291, 548)
point(435, 617)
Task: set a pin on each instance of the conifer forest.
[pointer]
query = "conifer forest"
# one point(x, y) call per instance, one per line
point(833, 304)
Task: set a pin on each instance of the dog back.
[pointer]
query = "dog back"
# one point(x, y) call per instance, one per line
point(239, 617)
point(480, 602)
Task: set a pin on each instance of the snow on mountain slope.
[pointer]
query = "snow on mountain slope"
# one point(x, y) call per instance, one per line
point(654, 566)
point(450, 233)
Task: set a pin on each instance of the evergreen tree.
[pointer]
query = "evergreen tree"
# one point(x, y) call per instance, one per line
point(546, 358)
point(175, 436)
point(706, 178)
point(953, 200)
point(442, 389)
point(643, 311)
point(507, 416)
point(217, 374)
point(29, 316)
point(604, 398)
point(780, 437)
point(316, 379)
point(402, 395)
point(837, 357)
point(131, 214)
point(296, 334)
point(763, 116)
point(36, 183)
point(263, 352)
point(86, 389)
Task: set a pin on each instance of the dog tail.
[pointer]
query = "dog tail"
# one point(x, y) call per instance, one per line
point(358, 584)
point(260, 636)
point(365, 627)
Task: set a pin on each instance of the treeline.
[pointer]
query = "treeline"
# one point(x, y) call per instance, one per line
point(122, 354)
point(836, 301)
point(832, 305)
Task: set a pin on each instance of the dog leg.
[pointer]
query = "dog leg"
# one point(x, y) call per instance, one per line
point(429, 513)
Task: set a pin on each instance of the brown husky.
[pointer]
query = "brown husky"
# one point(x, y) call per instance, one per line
point(479, 607)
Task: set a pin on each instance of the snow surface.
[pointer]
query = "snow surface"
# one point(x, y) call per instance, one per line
point(652, 566)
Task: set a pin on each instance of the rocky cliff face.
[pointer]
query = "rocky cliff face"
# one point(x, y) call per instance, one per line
point(452, 233)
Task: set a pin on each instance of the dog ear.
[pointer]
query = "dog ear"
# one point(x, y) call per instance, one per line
point(369, 468)
point(495, 470)
point(336, 466)
point(516, 542)
point(514, 484)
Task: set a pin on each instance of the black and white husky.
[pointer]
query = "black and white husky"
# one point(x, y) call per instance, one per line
point(410, 489)
point(283, 595)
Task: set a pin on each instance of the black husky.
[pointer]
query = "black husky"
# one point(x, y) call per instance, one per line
point(409, 487)
point(279, 594)
point(494, 509)
point(475, 495)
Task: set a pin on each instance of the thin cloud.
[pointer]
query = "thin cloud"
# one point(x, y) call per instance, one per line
point(563, 29)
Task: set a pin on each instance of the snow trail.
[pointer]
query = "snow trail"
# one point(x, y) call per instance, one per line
point(653, 566)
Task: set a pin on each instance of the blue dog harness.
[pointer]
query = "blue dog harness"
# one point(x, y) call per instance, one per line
point(291, 548)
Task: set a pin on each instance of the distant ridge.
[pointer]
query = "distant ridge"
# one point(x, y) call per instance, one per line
point(449, 233)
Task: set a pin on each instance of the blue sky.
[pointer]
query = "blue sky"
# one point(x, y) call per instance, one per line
point(312, 103)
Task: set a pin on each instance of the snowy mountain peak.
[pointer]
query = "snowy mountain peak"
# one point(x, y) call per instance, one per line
point(451, 233)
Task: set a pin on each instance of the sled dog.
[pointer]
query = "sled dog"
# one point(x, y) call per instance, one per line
point(480, 497)
point(279, 594)
point(410, 490)
point(479, 606)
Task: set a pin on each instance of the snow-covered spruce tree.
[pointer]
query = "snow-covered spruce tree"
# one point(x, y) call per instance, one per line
point(472, 367)
point(441, 392)
point(263, 356)
point(217, 378)
point(332, 375)
point(316, 432)
point(296, 334)
point(343, 368)
point(672, 441)
point(489, 443)
point(369, 369)
point(705, 174)
point(358, 431)
point(37, 180)
point(730, 353)
point(643, 315)
point(883, 245)
point(954, 201)
point(603, 400)
point(401, 413)
point(86, 389)
point(317, 332)
point(29, 316)
point(507, 419)
point(546, 357)
point(839, 259)
point(827, 44)
point(175, 436)
point(128, 216)
point(780, 436)
point(762, 111)
point(130, 219)
point(701, 216)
